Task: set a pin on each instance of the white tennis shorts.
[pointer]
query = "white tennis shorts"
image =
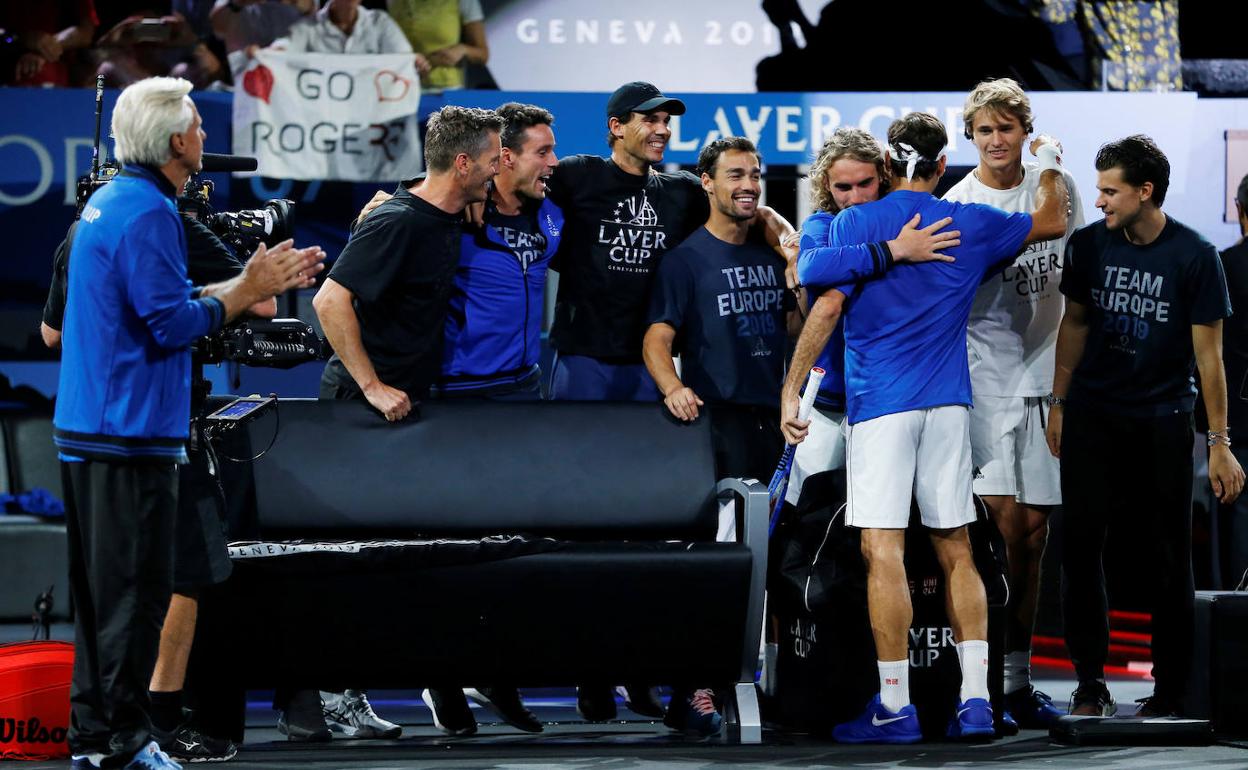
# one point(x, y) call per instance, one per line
point(924, 455)
point(1008, 447)
point(822, 450)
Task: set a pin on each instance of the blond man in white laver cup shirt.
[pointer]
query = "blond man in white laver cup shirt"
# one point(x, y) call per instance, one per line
point(1011, 337)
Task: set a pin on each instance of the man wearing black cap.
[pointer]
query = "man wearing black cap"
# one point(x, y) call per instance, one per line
point(621, 217)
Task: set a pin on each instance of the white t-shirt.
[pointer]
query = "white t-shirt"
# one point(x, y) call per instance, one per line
point(1012, 330)
point(374, 32)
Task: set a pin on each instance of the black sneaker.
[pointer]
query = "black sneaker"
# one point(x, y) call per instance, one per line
point(1155, 706)
point(595, 703)
point(450, 711)
point(506, 703)
point(303, 719)
point(1031, 708)
point(1092, 699)
point(190, 745)
point(643, 701)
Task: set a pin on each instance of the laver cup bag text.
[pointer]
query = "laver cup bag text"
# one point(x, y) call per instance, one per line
point(34, 699)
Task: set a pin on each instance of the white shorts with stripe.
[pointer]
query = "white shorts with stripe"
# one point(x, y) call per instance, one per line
point(822, 450)
point(924, 455)
point(1009, 448)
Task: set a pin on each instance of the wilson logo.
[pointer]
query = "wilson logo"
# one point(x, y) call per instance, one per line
point(29, 731)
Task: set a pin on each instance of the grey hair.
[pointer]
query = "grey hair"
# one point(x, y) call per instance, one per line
point(146, 114)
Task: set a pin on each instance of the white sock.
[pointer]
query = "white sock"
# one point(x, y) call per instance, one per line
point(894, 684)
point(1017, 670)
point(973, 655)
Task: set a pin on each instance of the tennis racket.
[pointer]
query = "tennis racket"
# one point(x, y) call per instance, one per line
point(780, 481)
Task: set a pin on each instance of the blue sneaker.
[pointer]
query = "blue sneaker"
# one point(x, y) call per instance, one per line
point(150, 757)
point(879, 725)
point(973, 720)
point(1007, 726)
point(1032, 709)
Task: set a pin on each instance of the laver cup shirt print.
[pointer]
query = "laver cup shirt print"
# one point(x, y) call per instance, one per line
point(341, 117)
point(614, 239)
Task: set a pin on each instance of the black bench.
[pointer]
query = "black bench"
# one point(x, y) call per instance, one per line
point(544, 544)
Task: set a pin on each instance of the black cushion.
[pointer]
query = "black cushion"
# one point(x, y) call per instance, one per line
point(32, 455)
point(480, 467)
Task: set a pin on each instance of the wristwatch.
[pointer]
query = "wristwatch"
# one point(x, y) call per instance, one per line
point(1053, 400)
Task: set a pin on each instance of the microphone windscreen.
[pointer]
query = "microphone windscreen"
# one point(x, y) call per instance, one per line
point(214, 162)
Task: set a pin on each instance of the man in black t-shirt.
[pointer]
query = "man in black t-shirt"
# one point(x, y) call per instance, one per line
point(622, 216)
point(1233, 523)
point(720, 301)
point(1145, 299)
point(384, 303)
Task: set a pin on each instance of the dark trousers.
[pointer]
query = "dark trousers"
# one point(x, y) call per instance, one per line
point(1233, 526)
point(747, 440)
point(1135, 475)
point(585, 378)
point(120, 524)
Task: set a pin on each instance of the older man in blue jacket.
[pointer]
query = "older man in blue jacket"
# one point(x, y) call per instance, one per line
point(123, 409)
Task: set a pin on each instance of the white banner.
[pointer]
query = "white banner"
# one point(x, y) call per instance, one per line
point(329, 116)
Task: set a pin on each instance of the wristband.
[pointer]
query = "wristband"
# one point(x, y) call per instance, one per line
point(1219, 437)
point(1053, 400)
point(1050, 157)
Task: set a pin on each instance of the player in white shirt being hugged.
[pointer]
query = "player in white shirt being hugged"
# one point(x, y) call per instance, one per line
point(1011, 337)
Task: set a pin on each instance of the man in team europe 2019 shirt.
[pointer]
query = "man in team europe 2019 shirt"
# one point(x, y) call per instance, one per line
point(908, 398)
point(622, 215)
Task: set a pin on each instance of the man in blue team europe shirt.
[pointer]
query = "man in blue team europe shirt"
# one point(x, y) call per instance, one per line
point(123, 409)
point(908, 396)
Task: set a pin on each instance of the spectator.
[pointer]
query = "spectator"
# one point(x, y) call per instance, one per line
point(448, 35)
point(154, 40)
point(40, 37)
point(342, 26)
point(241, 24)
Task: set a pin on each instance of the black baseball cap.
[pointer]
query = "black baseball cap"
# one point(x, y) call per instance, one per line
point(641, 97)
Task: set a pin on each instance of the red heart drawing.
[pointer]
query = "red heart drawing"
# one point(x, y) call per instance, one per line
point(391, 87)
point(259, 82)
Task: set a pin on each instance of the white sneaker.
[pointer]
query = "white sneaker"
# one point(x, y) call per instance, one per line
point(351, 714)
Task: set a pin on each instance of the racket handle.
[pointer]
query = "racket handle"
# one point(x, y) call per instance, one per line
point(812, 390)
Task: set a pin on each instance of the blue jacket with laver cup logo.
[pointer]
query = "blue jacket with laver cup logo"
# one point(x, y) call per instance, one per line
point(125, 384)
point(494, 323)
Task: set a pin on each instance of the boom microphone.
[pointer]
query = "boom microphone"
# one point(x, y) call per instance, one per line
point(214, 162)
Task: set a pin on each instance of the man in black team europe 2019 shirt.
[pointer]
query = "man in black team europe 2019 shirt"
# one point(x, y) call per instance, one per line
point(1145, 299)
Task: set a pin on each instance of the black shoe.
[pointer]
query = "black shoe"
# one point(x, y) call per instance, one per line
point(450, 711)
point(190, 745)
point(643, 701)
point(1032, 709)
point(1092, 699)
point(303, 719)
point(1155, 706)
point(506, 703)
point(595, 704)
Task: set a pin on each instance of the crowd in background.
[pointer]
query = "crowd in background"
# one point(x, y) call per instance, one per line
point(63, 43)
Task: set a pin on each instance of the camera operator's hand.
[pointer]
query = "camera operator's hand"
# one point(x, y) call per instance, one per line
point(393, 403)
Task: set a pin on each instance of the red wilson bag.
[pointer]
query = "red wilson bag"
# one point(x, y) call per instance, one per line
point(34, 699)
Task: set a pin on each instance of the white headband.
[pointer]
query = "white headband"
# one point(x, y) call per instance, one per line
point(904, 153)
